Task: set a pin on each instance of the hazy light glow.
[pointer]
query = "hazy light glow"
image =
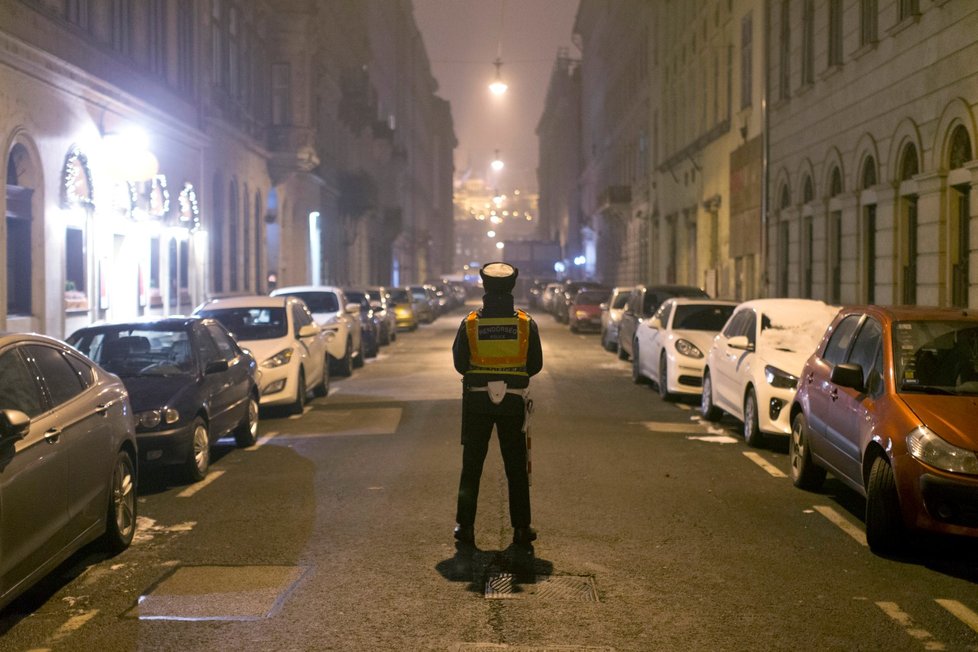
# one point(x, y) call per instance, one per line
point(491, 234)
point(497, 164)
point(500, 245)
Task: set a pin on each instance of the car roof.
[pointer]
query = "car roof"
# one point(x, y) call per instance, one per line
point(248, 302)
point(700, 301)
point(305, 288)
point(9, 337)
point(910, 313)
point(800, 304)
point(173, 321)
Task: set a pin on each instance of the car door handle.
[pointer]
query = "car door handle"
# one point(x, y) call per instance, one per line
point(101, 409)
point(834, 394)
point(52, 436)
point(810, 378)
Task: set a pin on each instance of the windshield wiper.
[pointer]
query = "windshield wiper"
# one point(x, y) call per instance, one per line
point(926, 389)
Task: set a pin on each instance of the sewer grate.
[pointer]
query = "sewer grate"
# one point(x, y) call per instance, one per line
point(578, 588)
point(218, 593)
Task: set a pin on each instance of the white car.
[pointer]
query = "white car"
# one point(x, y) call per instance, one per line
point(670, 348)
point(753, 366)
point(288, 345)
point(333, 311)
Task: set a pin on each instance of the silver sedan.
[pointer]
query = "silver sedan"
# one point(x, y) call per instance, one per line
point(67, 459)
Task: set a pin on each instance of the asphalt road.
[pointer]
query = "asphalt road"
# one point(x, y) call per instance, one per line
point(656, 533)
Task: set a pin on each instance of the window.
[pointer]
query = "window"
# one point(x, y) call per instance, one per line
point(217, 238)
point(18, 391)
point(865, 348)
point(838, 344)
point(156, 45)
point(909, 248)
point(807, 190)
point(807, 235)
point(960, 196)
point(784, 58)
point(835, 257)
point(737, 324)
point(233, 61)
point(908, 9)
point(808, 42)
point(76, 12)
point(122, 26)
point(233, 235)
point(835, 33)
point(60, 379)
point(960, 148)
point(75, 262)
point(82, 370)
point(218, 68)
point(867, 22)
point(207, 351)
point(18, 245)
point(185, 45)
point(746, 41)
point(225, 345)
point(281, 91)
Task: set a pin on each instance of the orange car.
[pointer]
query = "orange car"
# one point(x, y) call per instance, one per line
point(888, 404)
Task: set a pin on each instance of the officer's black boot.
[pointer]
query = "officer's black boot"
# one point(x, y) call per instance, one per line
point(524, 536)
point(465, 533)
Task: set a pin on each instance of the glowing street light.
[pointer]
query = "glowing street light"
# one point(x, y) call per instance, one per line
point(497, 163)
point(498, 86)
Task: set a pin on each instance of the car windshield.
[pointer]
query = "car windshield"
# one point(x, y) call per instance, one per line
point(248, 324)
point(128, 352)
point(319, 301)
point(400, 296)
point(357, 297)
point(702, 317)
point(620, 301)
point(419, 293)
point(590, 298)
point(936, 357)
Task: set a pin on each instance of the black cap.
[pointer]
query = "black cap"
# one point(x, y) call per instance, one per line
point(498, 278)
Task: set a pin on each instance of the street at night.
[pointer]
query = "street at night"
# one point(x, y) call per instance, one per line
point(656, 532)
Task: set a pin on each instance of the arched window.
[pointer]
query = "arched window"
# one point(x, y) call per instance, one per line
point(835, 182)
point(217, 238)
point(233, 235)
point(246, 238)
point(19, 226)
point(785, 197)
point(259, 233)
point(909, 167)
point(959, 151)
point(808, 190)
point(869, 173)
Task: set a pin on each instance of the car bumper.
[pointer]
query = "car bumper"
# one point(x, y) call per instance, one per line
point(686, 377)
point(165, 447)
point(590, 324)
point(773, 410)
point(936, 501)
point(277, 386)
point(406, 323)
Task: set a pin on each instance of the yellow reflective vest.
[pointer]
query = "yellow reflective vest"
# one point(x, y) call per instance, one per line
point(498, 345)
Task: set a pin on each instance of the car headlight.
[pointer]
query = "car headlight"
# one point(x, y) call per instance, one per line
point(153, 418)
point(688, 349)
point(279, 359)
point(778, 378)
point(580, 314)
point(930, 449)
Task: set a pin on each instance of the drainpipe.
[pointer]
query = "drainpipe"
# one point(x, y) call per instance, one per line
point(765, 145)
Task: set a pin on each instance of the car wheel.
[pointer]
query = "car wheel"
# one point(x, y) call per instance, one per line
point(637, 377)
point(622, 353)
point(246, 433)
point(120, 522)
point(805, 474)
point(344, 366)
point(573, 328)
point(299, 404)
point(358, 360)
point(884, 524)
point(664, 378)
point(322, 389)
point(708, 410)
point(199, 459)
point(752, 430)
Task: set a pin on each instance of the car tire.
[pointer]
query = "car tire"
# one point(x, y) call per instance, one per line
point(359, 359)
point(708, 410)
point(663, 383)
point(322, 389)
point(753, 436)
point(573, 328)
point(805, 473)
point(622, 353)
point(120, 522)
point(344, 366)
point(884, 523)
point(637, 377)
point(299, 404)
point(199, 458)
point(246, 434)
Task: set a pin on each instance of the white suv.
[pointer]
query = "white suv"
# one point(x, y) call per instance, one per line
point(334, 312)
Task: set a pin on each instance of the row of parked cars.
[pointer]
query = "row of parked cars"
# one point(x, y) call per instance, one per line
point(881, 397)
point(80, 419)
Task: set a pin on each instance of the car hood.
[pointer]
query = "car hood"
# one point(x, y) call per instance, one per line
point(264, 349)
point(790, 361)
point(153, 392)
point(702, 339)
point(950, 417)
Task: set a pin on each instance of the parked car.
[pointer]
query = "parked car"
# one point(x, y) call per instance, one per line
point(643, 301)
point(753, 366)
point(565, 297)
point(337, 313)
point(611, 312)
point(585, 311)
point(369, 322)
point(548, 295)
point(68, 449)
point(669, 348)
point(291, 349)
point(403, 309)
point(887, 404)
point(381, 304)
point(535, 293)
point(424, 311)
point(189, 384)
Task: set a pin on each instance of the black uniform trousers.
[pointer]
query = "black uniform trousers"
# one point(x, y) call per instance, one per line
point(478, 419)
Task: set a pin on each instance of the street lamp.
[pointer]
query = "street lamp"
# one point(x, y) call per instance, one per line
point(498, 86)
point(497, 163)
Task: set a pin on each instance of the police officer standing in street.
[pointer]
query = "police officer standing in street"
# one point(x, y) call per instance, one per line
point(496, 350)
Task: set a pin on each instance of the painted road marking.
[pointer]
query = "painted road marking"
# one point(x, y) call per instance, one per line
point(764, 464)
point(961, 612)
point(842, 523)
point(676, 428)
point(683, 406)
point(71, 625)
point(194, 488)
point(716, 439)
point(903, 619)
point(305, 411)
point(264, 439)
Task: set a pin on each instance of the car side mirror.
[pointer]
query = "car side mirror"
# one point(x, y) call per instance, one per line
point(604, 306)
point(353, 308)
point(311, 330)
point(847, 374)
point(655, 323)
point(216, 367)
point(14, 425)
point(740, 342)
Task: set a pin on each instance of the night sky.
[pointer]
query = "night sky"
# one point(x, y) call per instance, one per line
point(462, 38)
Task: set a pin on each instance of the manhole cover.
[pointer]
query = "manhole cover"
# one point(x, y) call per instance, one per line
point(218, 593)
point(557, 587)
